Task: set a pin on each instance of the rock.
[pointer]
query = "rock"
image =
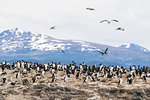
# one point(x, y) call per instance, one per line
point(121, 94)
point(25, 82)
point(36, 93)
point(147, 91)
point(39, 86)
point(25, 91)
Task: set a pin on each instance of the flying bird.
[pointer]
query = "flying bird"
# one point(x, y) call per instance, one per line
point(105, 21)
point(103, 53)
point(90, 8)
point(53, 28)
point(115, 20)
point(61, 50)
point(120, 28)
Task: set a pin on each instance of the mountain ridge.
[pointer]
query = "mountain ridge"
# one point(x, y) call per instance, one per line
point(16, 44)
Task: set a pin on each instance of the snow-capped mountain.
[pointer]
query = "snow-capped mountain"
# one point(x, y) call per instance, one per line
point(16, 39)
point(135, 47)
point(16, 44)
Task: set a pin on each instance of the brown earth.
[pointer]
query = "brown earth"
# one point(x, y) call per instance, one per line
point(72, 89)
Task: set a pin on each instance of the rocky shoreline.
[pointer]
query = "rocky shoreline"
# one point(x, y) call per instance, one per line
point(92, 91)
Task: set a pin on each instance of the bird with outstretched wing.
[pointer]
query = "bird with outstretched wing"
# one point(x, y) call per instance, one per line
point(103, 53)
point(114, 20)
point(90, 8)
point(61, 50)
point(105, 21)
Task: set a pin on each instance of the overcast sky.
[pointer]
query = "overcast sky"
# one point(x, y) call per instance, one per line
point(73, 21)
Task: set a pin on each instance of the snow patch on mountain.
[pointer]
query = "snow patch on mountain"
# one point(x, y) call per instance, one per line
point(128, 45)
point(56, 41)
point(135, 47)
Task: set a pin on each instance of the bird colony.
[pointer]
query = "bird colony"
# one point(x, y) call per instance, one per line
point(13, 74)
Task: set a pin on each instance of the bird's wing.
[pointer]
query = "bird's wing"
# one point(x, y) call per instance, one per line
point(114, 20)
point(106, 50)
point(92, 9)
point(105, 21)
point(108, 21)
point(62, 50)
point(100, 52)
point(102, 21)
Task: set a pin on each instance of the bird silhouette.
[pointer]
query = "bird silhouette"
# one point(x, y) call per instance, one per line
point(120, 28)
point(53, 28)
point(103, 53)
point(58, 48)
point(61, 50)
point(105, 21)
point(90, 8)
point(115, 20)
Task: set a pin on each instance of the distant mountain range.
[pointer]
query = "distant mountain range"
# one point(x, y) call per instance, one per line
point(19, 45)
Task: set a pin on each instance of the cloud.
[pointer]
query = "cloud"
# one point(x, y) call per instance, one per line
point(73, 21)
